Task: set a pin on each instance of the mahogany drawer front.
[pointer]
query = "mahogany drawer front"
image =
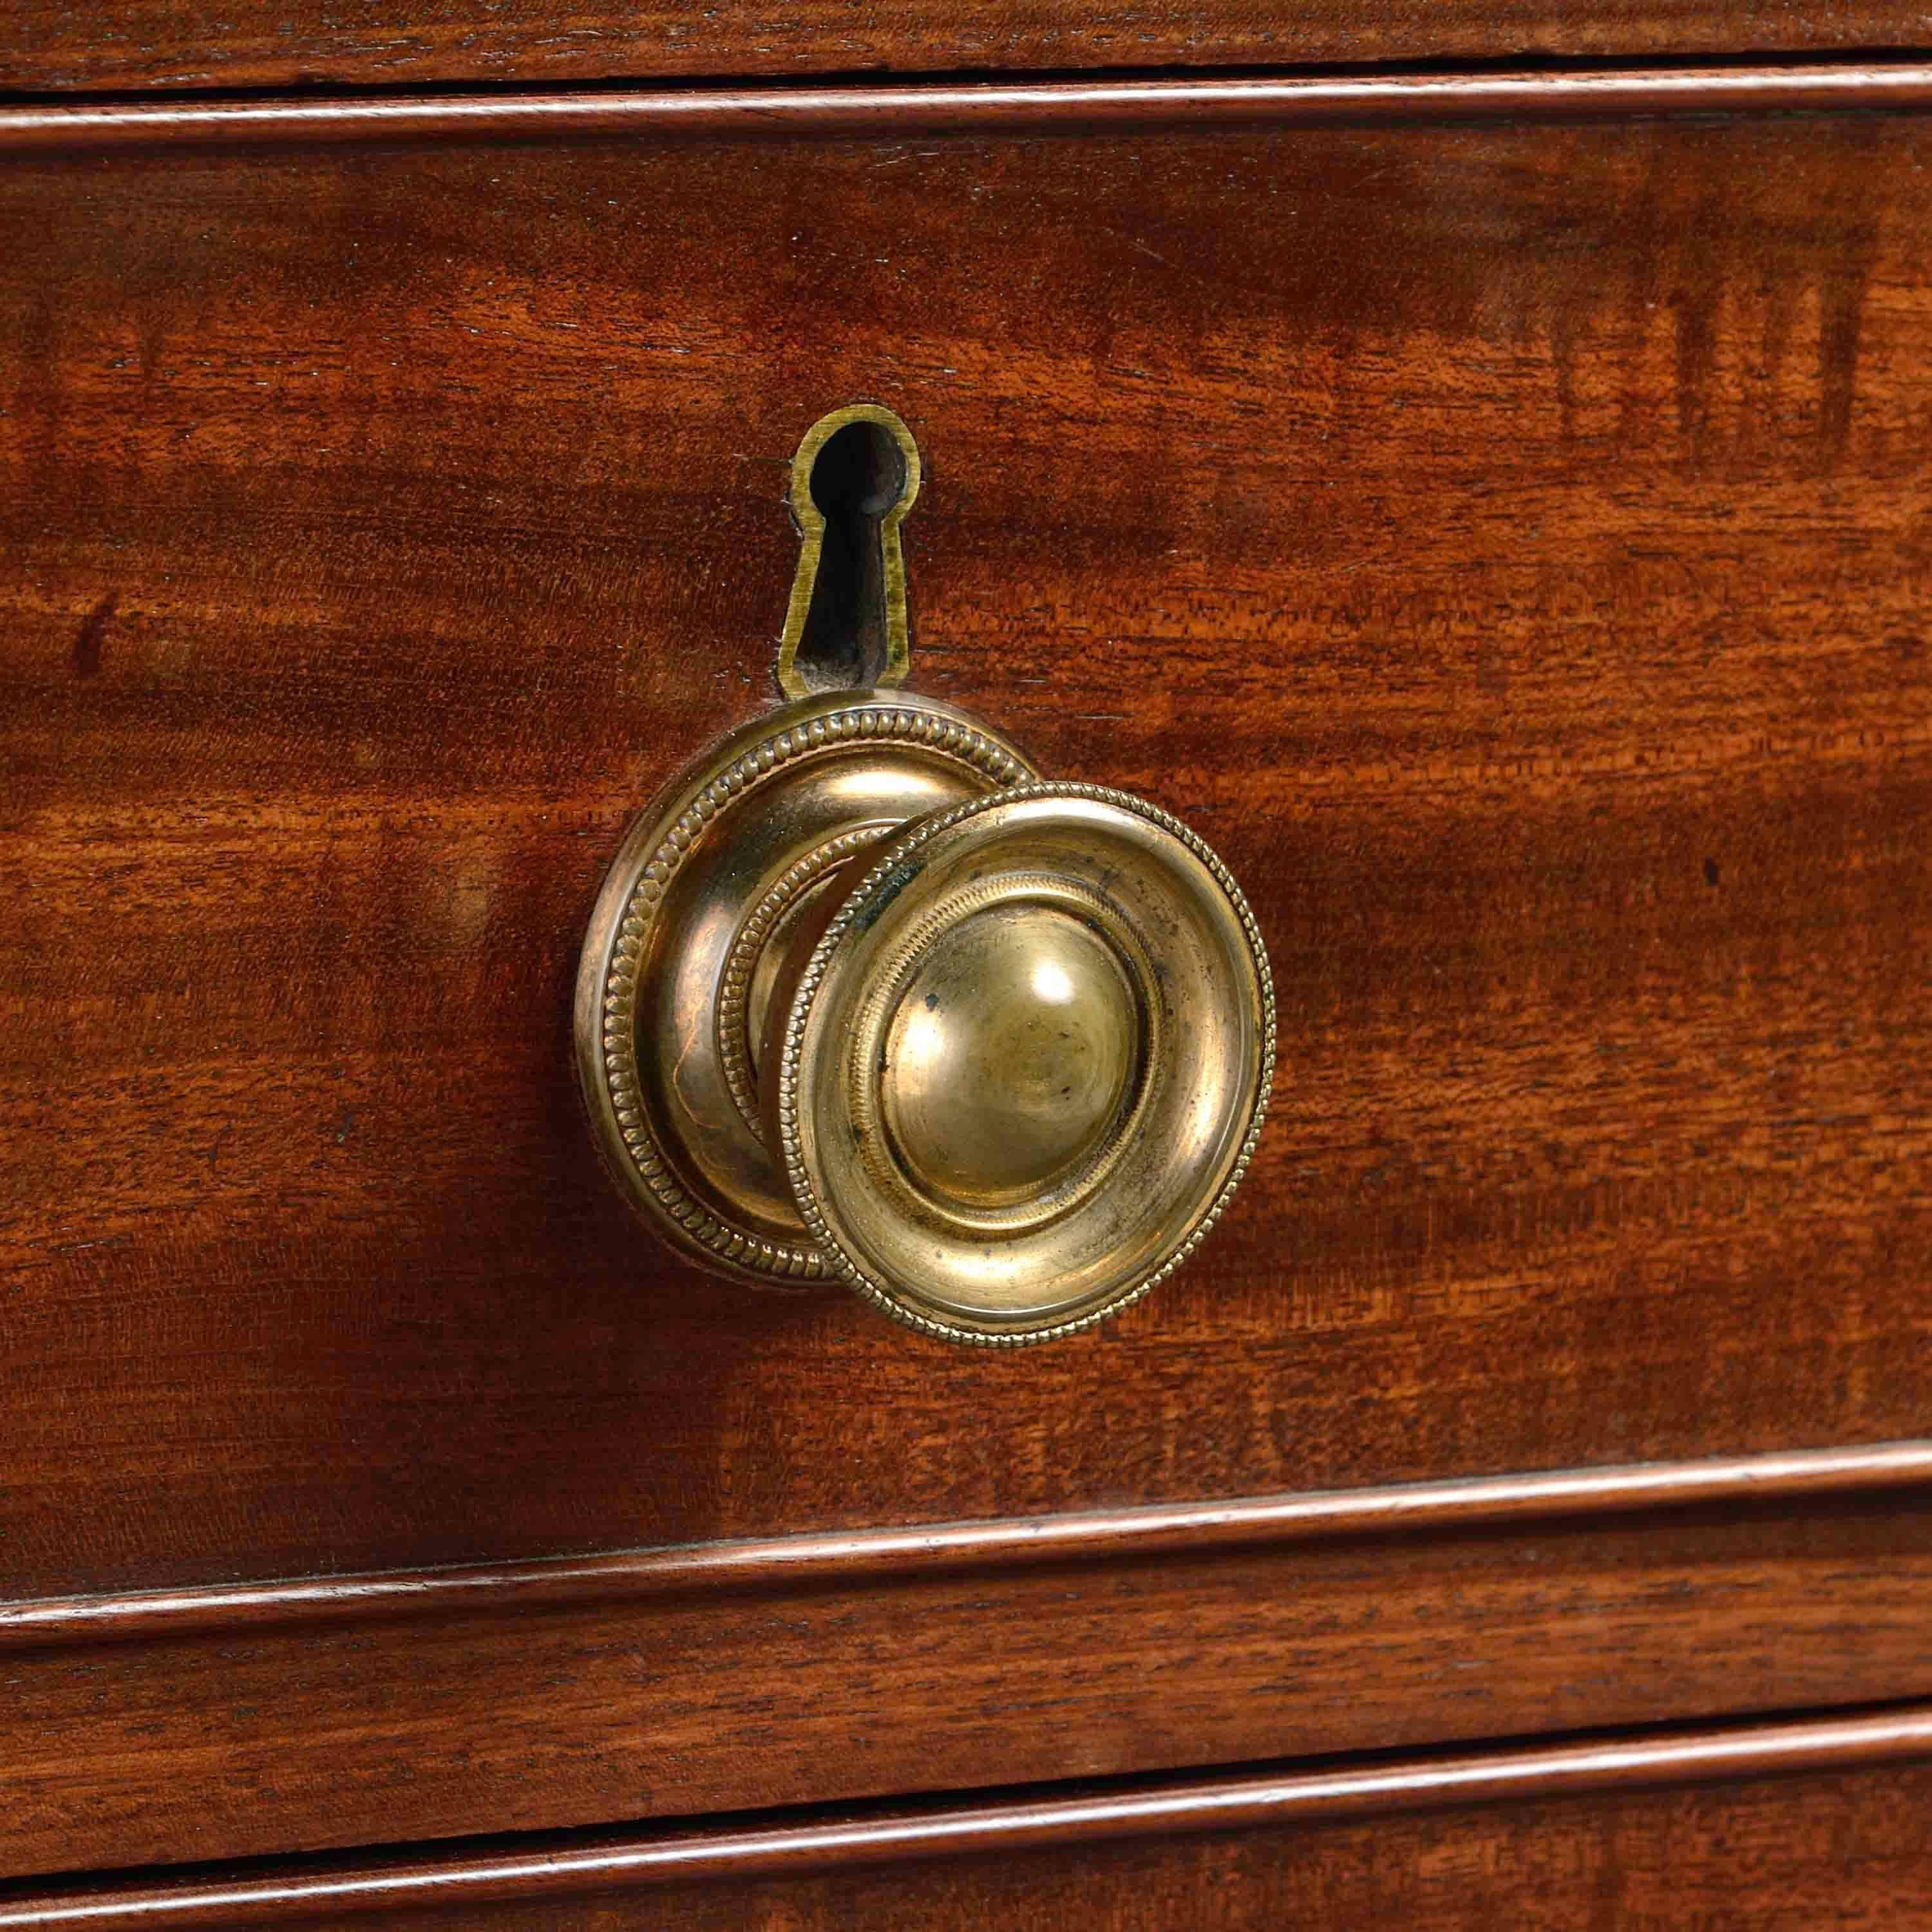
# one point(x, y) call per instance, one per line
point(1504, 544)
point(1804, 1826)
point(166, 44)
point(164, 1727)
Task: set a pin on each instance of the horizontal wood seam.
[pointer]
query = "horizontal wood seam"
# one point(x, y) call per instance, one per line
point(880, 1556)
point(898, 111)
point(1170, 1807)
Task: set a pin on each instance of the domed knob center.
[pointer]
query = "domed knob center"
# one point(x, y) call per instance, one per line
point(1008, 1056)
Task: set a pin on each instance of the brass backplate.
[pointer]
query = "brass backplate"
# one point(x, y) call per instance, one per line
point(681, 984)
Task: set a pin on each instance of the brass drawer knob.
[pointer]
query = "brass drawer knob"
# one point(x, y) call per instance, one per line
point(1023, 1065)
point(862, 997)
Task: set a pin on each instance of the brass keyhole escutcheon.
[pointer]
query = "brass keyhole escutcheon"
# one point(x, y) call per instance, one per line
point(862, 997)
point(853, 480)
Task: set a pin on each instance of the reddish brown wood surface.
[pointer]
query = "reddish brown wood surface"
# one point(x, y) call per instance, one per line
point(263, 1734)
point(1507, 546)
point(126, 43)
point(1800, 1479)
point(877, 111)
point(1801, 1856)
point(1829, 1848)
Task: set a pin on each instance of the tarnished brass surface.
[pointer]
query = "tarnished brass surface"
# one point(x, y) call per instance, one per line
point(1027, 1063)
point(743, 858)
point(861, 998)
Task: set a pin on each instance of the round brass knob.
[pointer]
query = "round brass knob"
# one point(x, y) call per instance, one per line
point(1007, 1057)
point(1024, 1063)
point(863, 998)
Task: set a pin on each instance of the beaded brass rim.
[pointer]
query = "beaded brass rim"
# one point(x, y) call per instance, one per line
point(735, 1048)
point(739, 1217)
point(816, 1070)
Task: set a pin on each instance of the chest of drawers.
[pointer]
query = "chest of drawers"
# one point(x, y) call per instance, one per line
point(1488, 506)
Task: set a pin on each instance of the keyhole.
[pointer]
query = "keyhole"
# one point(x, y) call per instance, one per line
point(854, 479)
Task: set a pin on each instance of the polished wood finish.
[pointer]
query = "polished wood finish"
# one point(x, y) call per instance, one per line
point(885, 112)
point(168, 43)
point(891, 1556)
point(1503, 544)
point(978, 1864)
point(450, 1709)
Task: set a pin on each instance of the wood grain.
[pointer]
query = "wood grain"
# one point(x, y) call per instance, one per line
point(1798, 1856)
point(878, 111)
point(484, 1713)
point(982, 1863)
point(851, 1558)
point(127, 43)
point(1504, 545)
